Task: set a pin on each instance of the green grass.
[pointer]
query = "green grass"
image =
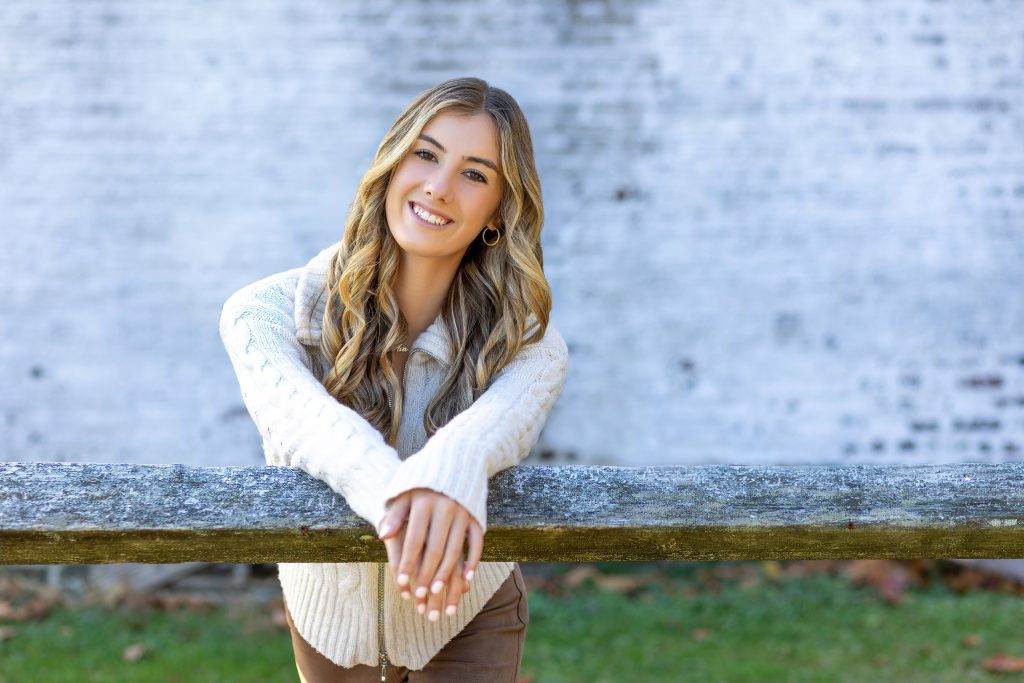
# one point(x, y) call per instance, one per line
point(817, 628)
point(86, 645)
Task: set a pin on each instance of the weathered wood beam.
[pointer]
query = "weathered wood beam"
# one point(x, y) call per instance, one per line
point(85, 513)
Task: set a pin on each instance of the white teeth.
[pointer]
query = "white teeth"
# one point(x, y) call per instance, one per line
point(427, 216)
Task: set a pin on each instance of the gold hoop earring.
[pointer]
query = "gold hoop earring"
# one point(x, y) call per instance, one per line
point(491, 244)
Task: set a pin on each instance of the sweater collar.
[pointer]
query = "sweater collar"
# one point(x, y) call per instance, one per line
point(311, 302)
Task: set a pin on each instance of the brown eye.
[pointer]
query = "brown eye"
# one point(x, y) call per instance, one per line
point(477, 175)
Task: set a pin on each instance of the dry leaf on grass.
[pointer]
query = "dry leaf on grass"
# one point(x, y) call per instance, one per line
point(619, 583)
point(971, 640)
point(7, 632)
point(577, 575)
point(35, 608)
point(890, 578)
point(1003, 663)
point(135, 652)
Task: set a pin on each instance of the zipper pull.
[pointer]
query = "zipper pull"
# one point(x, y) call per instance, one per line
point(383, 665)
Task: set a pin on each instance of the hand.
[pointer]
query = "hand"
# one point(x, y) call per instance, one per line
point(434, 561)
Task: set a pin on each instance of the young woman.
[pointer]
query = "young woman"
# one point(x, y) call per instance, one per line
point(405, 366)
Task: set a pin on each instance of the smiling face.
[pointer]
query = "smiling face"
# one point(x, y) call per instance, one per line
point(452, 172)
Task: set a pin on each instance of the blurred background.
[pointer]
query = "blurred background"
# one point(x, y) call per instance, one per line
point(776, 232)
point(795, 245)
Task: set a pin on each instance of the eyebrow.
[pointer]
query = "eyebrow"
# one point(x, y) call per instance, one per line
point(489, 164)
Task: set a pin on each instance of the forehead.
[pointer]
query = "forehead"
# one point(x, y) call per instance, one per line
point(463, 135)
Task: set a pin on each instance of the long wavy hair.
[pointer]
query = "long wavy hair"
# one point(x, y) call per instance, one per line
point(498, 302)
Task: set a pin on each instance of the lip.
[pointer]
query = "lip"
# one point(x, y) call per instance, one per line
point(428, 223)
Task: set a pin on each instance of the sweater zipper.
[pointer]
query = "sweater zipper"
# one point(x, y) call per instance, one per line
point(380, 622)
point(380, 565)
point(380, 580)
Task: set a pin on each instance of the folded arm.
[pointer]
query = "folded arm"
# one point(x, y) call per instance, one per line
point(302, 425)
point(497, 431)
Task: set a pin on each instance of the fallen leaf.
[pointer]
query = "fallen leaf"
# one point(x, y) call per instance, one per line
point(771, 569)
point(619, 583)
point(34, 608)
point(801, 568)
point(134, 653)
point(972, 640)
point(888, 577)
point(700, 634)
point(1003, 663)
point(7, 632)
point(577, 575)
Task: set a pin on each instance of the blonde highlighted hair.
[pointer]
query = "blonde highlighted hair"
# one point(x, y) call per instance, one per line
point(498, 302)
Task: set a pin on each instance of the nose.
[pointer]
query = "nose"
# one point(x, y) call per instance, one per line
point(437, 185)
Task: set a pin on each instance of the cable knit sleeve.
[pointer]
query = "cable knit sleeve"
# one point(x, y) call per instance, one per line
point(302, 425)
point(497, 431)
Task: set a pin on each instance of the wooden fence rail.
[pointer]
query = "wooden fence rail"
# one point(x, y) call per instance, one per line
point(86, 513)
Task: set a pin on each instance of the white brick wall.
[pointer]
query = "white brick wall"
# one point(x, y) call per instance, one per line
point(777, 233)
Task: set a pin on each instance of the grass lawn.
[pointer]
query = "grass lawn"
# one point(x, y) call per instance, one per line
point(680, 623)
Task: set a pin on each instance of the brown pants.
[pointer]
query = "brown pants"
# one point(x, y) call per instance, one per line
point(489, 648)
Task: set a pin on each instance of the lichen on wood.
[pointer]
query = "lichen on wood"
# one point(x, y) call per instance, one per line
point(71, 513)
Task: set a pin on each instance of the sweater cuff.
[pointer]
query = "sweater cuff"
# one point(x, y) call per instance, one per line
point(465, 484)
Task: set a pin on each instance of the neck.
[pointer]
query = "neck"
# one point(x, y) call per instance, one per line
point(423, 284)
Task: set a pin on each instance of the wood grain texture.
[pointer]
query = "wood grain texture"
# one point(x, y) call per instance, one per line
point(71, 513)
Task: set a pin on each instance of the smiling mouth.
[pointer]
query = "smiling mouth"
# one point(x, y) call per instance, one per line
point(412, 208)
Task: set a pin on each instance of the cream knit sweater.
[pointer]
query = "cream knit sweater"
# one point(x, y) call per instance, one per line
point(264, 327)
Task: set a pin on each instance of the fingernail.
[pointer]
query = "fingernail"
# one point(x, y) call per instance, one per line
point(469, 575)
point(421, 592)
point(450, 611)
point(403, 579)
point(438, 585)
point(406, 595)
point(421, 608)
point(434, 615)
point(385, 530)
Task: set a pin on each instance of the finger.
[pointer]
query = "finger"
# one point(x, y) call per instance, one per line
point(456, 587)
point(415, 533)
point(395, 517)
point(434, 606)
point(394, 547)
point(476, 548)
point(442, 514)
point(452, 552)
